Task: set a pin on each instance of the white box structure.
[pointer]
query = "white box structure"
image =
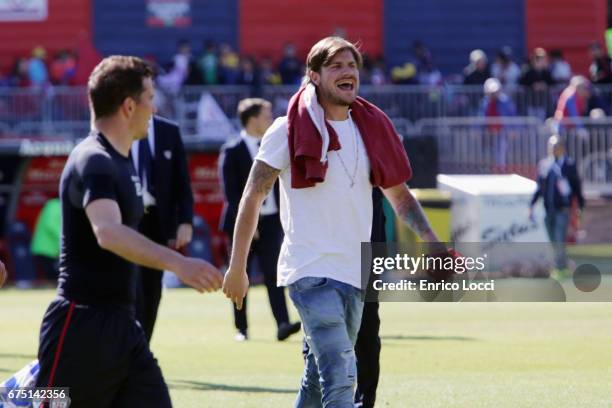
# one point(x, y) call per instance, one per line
point(492, 210)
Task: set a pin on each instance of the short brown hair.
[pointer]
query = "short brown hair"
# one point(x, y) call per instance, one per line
point(249, 108)
point(322, 53)
point(114, 79)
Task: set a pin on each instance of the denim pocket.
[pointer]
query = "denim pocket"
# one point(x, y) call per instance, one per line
point(309, 283)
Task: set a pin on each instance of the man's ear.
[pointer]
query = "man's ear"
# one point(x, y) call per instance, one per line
point(128, 106)
point(315, 77)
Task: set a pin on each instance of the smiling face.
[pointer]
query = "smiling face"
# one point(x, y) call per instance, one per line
point(338, 81)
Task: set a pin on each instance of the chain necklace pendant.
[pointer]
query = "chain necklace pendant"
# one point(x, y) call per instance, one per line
point(355, 144)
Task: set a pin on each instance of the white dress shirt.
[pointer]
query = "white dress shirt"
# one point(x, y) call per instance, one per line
point(147, 198)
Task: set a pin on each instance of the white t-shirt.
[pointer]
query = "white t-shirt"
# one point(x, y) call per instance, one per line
point(324, 225)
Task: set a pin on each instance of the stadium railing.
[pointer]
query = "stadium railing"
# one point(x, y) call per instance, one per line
point(477, 145)
point(589, 141)
point(412, 102)
point(467, 143)
point(45, 104)
point(4, 128)
point(52, 129)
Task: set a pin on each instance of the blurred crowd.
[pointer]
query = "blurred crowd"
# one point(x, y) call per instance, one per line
point(534, 87)
point(543, 71)
point(40, 69)
point(220, 64)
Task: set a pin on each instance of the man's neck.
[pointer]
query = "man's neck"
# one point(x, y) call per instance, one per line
point(560, 157)
point(116, 134)
point(335, 112)
point(251, 131)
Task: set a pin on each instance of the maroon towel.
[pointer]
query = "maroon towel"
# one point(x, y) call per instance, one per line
point(388, 160)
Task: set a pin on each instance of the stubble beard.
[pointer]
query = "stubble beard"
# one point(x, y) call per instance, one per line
point(142, 135)
point(333, 98)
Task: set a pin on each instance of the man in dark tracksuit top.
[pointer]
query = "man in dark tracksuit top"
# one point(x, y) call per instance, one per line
point(162, 166)
point(89, 339)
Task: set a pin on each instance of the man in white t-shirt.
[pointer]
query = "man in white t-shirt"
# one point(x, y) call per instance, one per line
point(326, 211)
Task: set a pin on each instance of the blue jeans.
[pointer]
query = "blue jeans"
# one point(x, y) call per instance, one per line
point(331, 316)
point(557, 221)
point(501, 150)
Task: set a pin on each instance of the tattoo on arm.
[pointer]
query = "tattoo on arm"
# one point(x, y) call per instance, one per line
point(262, 178)
point(409, 210)
point(260, 182)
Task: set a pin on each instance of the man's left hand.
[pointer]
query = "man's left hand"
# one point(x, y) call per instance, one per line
point(236, 285)
point(184, 234)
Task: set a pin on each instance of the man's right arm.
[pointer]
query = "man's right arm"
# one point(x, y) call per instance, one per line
point(105, 218)
point(536, 195)
point(261, 180)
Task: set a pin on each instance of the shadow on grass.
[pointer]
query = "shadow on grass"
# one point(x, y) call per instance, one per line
point(416, 338)
point(24, 356)
point(206, 386)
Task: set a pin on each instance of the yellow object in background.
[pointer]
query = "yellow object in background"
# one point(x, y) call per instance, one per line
point(436, 205)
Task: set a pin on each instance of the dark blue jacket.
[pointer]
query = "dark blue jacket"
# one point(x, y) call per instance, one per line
point(173, 193)
point(235, 165)
point(569, 172)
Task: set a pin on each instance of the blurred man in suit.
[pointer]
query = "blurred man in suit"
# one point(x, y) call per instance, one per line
point(235, 164)
point(558, 184)
point(161, 163)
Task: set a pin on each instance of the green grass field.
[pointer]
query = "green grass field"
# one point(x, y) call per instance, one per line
point(434, 355)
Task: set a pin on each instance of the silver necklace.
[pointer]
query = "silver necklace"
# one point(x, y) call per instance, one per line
point(344, 167)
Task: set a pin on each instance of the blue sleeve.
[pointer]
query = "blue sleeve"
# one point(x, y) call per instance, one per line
point(538, 192)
